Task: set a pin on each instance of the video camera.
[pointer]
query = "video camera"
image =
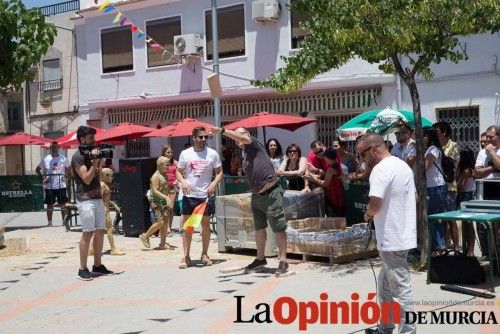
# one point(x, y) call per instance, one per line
point(104, 151)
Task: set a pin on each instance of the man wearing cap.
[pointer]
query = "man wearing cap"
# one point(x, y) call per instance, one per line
point(55, 168)
point(267, 196)
point(405, 148)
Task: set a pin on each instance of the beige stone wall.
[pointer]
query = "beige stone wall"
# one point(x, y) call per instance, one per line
point(60, 116)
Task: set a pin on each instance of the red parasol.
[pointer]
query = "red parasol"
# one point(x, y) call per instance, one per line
point(179, 129)
point(69, 140)
point(286, 122)
point(123, 131)
point(22, 138)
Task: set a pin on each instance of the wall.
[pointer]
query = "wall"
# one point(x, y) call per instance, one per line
point(265, 43)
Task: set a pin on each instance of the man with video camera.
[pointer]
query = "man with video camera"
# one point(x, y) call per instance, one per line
point(85, 163)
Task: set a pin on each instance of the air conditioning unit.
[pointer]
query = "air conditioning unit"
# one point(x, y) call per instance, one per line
point(265, 10)
point(187, 44)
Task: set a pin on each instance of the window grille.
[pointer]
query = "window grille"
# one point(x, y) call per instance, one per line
point(464, 122)
point(327, 125)
point(138, 148)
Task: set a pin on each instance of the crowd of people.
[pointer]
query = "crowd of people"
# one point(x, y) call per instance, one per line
point(193, 180)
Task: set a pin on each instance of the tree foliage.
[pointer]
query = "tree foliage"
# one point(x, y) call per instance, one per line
point(378, 31)
point(401, 36)
point(24, 38)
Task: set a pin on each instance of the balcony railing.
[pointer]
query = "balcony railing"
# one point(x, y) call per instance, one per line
point(45, 86)
point(59, 8)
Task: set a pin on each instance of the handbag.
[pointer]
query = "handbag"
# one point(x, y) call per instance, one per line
point(456, 269)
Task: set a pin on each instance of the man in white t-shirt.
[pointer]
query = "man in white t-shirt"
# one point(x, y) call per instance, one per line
point(195, 170)
point(392, 207)
point(55, 168)
point(405, 148)
point(488, 159)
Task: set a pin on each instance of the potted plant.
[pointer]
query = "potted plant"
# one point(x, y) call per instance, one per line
point(45, 100)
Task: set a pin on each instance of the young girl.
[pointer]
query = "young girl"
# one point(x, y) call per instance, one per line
point(465, 192)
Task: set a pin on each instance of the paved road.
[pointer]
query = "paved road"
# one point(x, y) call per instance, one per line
point(39, 291)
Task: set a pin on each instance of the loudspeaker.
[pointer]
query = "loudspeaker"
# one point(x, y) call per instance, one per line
point(134, 184)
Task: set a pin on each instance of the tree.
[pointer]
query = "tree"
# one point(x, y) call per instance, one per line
point(24, 39)
point(402, 36)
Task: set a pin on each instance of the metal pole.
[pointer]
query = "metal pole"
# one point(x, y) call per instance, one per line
point(215, 50)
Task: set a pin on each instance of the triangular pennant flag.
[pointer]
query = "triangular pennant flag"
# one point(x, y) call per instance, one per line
point(104, 5)
point(163, 54)
point(117, 17)
point(149, 39)
point(141, 34)
point(155, 45)
point(109, 9)
point(122, 21)
point(195, 219)
point(133, 28)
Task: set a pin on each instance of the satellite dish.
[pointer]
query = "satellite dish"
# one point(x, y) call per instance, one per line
point(180, 44)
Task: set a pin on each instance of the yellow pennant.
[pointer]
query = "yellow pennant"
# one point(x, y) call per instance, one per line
point(117, 17)
point(104, 5)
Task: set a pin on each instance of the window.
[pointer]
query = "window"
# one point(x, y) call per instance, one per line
point(298, 33)
point(231, 30)
point(15, 116)
point(51, 75)
point(138, 148)
point(163, 32)
point(464, 123)
point(116, 46)
point(327, 127)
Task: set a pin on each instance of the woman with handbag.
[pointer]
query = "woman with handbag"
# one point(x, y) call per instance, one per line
point(437, 189)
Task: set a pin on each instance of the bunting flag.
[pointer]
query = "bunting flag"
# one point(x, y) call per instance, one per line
point(104, 5)
point(108, 7)
point(117, 17)
point(195, 219)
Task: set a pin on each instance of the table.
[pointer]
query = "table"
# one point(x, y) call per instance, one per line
point(467, 216)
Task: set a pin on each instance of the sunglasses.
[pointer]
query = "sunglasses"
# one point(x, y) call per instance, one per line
point(202, 137)
point(363, 153)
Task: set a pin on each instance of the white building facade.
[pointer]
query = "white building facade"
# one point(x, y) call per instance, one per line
point(122, 79)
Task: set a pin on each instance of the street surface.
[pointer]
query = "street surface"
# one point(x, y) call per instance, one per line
point(39, 291)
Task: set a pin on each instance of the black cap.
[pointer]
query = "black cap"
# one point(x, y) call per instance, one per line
point(329, 153)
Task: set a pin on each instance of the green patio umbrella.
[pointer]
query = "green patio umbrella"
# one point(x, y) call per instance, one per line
point(381, 121)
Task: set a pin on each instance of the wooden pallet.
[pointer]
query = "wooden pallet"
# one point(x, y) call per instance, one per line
point(333, 259)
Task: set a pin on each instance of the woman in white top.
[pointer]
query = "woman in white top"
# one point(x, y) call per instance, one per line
point(436, 186)
point(465, 192)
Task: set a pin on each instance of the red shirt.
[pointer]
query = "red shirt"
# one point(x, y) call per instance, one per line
point(313, 159)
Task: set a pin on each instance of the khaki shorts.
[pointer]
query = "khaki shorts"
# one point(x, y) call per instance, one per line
point(269, 208)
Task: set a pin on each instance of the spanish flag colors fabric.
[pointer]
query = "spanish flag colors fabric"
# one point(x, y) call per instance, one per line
point(195, 219)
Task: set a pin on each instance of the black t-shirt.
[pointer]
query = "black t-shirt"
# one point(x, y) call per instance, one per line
point(257, 165)
point(85, 191)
